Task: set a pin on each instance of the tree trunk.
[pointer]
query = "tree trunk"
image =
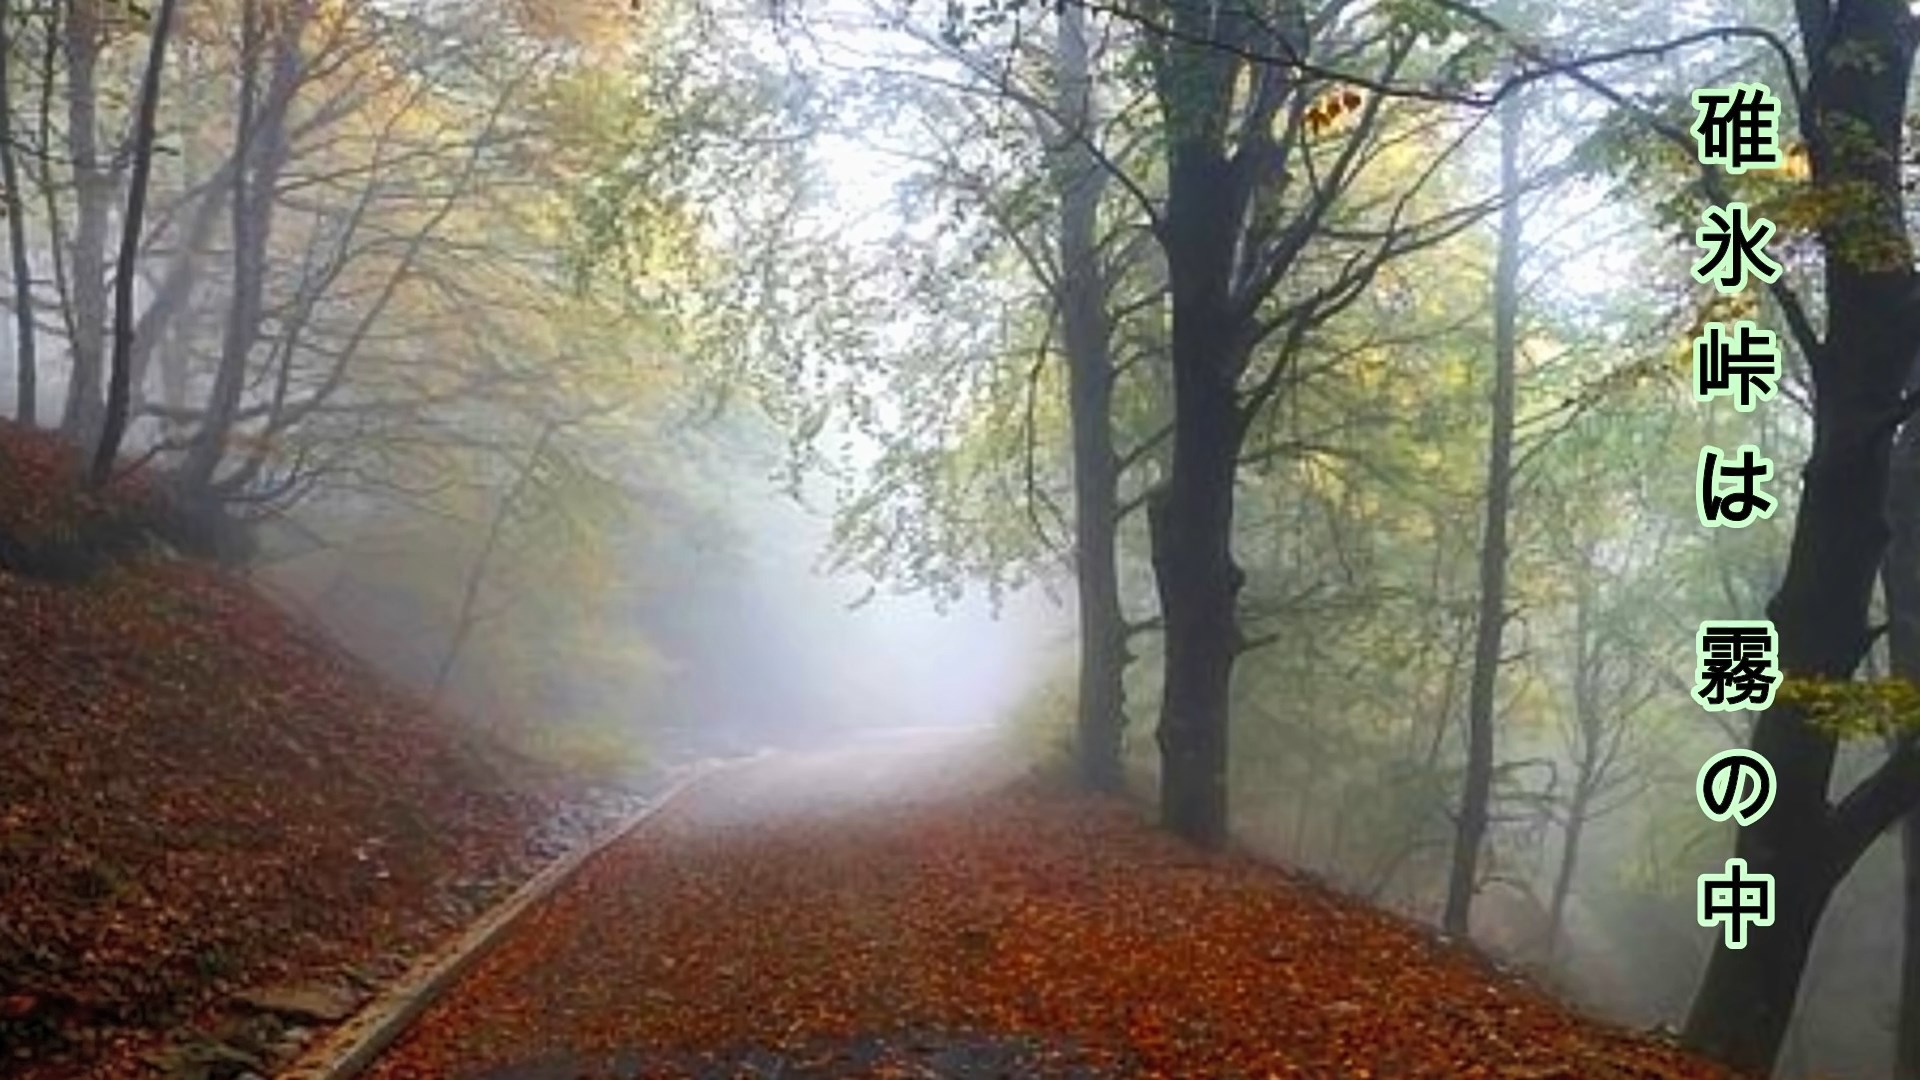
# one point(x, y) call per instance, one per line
point(1471, 823)
point(1191, 519)
point(468, 615)
point(43, 169)
point(1853, 123)
point(1190, 516)
point(1587, 691)
point(1563, 877)
point(119, 389)
point(26, 370)
point(261, 134)
point(1900, 584)
point(1906, 1056)
point(93, 193)
point(1087, 336)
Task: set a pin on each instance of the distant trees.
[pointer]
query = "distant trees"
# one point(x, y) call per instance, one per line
point(1279, 201)
point(326, 185)
point(347, 291)
point(1222, 264)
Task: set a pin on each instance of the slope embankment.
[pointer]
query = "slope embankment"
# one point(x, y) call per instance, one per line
point(217, 830)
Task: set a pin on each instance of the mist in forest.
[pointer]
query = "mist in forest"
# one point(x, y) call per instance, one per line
point(1315, 461)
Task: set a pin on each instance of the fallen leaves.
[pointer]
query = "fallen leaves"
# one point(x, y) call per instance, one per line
point(834, 943)
point(200, 797)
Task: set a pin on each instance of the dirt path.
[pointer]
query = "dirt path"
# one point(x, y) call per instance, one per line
point(899, 911)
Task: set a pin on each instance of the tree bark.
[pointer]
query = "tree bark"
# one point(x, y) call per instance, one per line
point(1087, 337)
point(1861, 56)
point(1477, 791)
point(26, 369)
point(1900, 584)
point(1204, 231)
point(1563, 876)
point(1906, 1056)
point(93, 193)
point(119, 387)
point(1190, 516)
point(260, 132)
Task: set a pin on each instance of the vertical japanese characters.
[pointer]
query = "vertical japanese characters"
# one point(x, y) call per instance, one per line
point(1737, 129)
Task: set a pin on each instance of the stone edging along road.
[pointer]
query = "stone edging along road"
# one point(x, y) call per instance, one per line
point(353, 1046)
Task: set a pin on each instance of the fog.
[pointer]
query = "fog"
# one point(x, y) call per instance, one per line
point(760, 643)
point(698, 386)
point(790, 654)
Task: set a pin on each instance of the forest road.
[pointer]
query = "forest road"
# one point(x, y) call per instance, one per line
point(705, 943)
point(910, 905)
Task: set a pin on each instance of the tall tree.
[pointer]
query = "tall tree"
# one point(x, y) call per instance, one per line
point(1087, 333)
point(26, 371)
point(120, 382)
point(1262, 150)
point(93, 186)
point(261, 150)
point(1859, 56)
point(1900, 585)
point(1491, 619)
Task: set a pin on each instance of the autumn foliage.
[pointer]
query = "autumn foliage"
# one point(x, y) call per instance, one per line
point(1018, 931)
point(199, 796)
point(50, 523)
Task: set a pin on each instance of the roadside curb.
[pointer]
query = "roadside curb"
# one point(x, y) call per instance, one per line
point(349, 1049)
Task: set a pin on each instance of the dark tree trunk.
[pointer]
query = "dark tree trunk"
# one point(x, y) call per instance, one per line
point(1900, 584)
point(1471, 823)
point(1220, 270)
point(1853, 123)
point(1087, 337)
point(1191, 520)
point(1191, 514)
point(1563, 877)
point(1906, 1056)
point(26, 369)
point(120, 385)
point(93, 194)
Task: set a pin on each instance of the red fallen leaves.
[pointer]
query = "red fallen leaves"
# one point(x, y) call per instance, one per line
point(1013, 914)
point(40, 491)
point(198, 796)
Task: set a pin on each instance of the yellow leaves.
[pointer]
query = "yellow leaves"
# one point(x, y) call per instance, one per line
point(1716, 307)
point(1799, 162)
point(1852, 709)
point(597, 26)
point(1727, 308)
point(1327, 110)
point(600, 748)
